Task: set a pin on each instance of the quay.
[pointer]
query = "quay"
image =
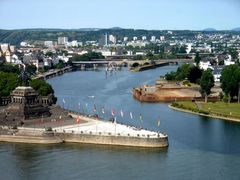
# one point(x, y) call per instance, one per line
point(51, 74)
point(88, 130)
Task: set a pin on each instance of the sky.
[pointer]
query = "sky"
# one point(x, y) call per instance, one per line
point(136, 14)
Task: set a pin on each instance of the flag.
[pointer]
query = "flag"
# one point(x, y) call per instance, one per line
point(141, 117)
point(63, 101)
point(121, 112)
point(131, 116)
point(158, 122)
point(113, 112)
point(103, 111)
point(94, 108)
point(78, 119)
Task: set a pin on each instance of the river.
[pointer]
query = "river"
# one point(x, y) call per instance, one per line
point(199, 147)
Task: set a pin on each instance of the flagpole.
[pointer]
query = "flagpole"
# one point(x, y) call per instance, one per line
point(115, 122)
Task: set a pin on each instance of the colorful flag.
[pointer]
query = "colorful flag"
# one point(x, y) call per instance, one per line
point(113, 112)
point(121, 112)
point(103, 111)
point(158, 122)
point(78, 119)
point(94, 108)
point(131, 116)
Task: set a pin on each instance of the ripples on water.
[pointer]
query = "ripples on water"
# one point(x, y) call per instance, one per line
point(200, 148)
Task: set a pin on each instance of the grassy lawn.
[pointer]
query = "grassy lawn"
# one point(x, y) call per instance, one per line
point(217, 108)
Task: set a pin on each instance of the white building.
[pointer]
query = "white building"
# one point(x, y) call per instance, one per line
point(112, 39)
point(125, 39)
point(134, 38)
point(62, 40)
point(144, 38)
point(5, 47)
point(228, 61)
point(106, 52)
point(25, 44)
point(137, 43)
point(48, 43)
point(162, 38)
point(204, 65)
point(153, 39)
point(189, 48)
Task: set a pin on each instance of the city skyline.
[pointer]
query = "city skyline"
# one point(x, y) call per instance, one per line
point(157, 15)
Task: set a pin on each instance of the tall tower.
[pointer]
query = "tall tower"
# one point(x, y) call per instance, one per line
point(106, 39)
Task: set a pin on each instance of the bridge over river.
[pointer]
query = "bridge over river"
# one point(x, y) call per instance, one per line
point(125, 62)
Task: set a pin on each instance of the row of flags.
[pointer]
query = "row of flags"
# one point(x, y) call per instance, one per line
point(113, 113)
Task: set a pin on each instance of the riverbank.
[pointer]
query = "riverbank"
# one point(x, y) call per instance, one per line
point(148, 66)
point(210, 109)
point(169, 91)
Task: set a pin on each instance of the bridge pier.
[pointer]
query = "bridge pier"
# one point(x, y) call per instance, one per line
point(95, 66)
point(83, 67)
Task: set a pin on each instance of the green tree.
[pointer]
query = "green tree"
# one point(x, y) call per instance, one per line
point(49, 54)
point(88, 56)
point(182, 49)
point(234, 55)
point(31, 69)
point(42, 87)
point(197, 58)
point(230, 79)
point(9, 68)
point(60, 64)
point(206, 83)
point(8, 82)
point(195, 74)
point(183, 72)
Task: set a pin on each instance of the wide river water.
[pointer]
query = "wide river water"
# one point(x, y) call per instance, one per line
point(199, 147)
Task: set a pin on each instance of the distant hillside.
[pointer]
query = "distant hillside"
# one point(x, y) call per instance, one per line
point(87, 34)
point(209, 29)
point(236, 29)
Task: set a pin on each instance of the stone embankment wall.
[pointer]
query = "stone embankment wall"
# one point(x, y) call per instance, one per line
point(114, 140)
point(152, 97)
point(41, 137)
point(137, 93)
point(29, 136)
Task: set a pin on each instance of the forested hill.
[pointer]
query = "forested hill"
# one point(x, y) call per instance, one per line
point(16, 36)
point(90, 34)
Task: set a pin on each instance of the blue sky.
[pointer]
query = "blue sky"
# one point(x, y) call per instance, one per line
point(138, 14)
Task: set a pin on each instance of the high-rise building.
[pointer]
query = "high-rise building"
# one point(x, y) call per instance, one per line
point(153, 39)
point(112, 39)
point(144, 38)
point(125, 39)
point(162, 38)
point(103, 40)
point(134, 38)
point(62, 40)
point(48, 43)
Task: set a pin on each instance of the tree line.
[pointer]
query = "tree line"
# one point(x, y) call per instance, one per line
point(10, 79)
point(230, 79)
